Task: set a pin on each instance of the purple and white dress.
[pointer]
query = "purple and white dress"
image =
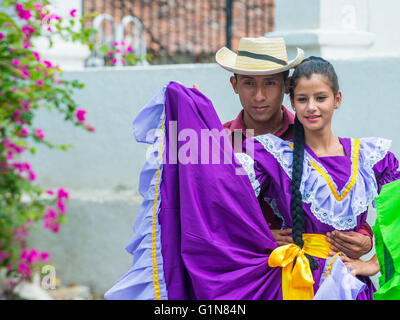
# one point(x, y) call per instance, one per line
point(200, 232)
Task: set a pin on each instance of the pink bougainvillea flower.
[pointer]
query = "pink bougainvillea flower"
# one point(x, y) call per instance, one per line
point(24, 231)
point(24, 255)
point(109, 53)
point(39, 133)
point(33, 256)
point(80, 115)
point(10, 155)
point(36, 54)
point(44, 256)
point(26, 74)
point(129, 49)
point(62, 193)
point(25, 105)
point(17, 115)
point(72, 13)
point(61, 206)
point(23, 269)
point(1, 35)
point(31, 176)
point(55, 227)
point(90, 127)
point(39, 83)
point(26, 45)
point(116, 43)
point(50, 217)
point(4, 255)
point(50, 192)
point(15, 62)
point(24, 132)
point(47, 64)
point(39, 7)
point(27, 31)
point(114, 61)
point(22, 13)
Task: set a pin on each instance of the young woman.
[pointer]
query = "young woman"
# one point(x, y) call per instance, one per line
point(200, 233)
point(327, 181)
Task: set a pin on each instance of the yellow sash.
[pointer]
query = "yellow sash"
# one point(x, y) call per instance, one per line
point(297, 278)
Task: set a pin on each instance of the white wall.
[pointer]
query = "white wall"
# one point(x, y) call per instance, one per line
point(102, 170)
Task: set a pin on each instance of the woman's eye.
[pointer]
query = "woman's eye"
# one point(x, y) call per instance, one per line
point(248, 83)
point(322, 98)
point(270, 83)
point(301, 99)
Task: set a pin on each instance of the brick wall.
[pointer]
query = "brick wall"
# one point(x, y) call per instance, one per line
point(179, 31)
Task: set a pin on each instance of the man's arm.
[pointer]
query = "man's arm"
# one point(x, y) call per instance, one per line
point(361, 267)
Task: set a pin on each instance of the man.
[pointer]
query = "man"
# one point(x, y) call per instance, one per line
point(261, 70)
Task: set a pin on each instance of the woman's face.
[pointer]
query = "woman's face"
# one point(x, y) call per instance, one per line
point(315, 102)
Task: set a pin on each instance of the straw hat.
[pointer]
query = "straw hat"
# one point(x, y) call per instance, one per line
point(258, 56)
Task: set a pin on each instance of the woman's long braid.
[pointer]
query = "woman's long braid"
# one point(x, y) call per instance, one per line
point(296, 201)
point(308, 67)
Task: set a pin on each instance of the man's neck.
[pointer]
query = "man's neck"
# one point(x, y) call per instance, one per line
point(273, 125)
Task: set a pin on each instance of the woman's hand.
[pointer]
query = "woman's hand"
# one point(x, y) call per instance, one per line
point(361, 267)
point(282, 237)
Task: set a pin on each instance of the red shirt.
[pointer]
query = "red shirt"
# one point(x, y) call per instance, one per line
point(285, 133)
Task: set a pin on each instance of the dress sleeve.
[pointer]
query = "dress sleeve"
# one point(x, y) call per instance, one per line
point(262, 168)
point(386, 170)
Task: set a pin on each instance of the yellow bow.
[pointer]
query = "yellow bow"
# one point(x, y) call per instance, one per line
point(297, 278)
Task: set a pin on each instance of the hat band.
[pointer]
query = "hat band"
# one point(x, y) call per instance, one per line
point(262, 57)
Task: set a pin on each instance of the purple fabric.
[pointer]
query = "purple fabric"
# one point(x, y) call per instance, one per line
point(386, 170)
point(339, 167)
point(215, 240)
point(207, 214)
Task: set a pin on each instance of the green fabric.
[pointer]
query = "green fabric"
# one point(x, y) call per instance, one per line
point(387, 241)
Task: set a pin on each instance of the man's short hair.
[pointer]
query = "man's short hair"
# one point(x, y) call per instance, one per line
point(285, 75)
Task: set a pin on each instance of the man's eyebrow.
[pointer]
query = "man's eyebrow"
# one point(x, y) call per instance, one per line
point(245, 77)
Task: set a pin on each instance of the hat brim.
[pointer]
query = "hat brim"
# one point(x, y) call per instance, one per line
point(226, 58)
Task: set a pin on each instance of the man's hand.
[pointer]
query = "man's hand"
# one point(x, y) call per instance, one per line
point(352, 244)
point(282, 237)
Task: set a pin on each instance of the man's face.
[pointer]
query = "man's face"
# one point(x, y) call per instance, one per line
point(261, 96)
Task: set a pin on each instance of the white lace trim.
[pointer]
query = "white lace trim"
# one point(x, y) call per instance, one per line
point(274, 206)
point(342, 215)
point(248, 164)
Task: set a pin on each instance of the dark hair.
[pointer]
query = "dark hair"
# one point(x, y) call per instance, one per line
point(285, 75)
point(310, 66)
point(314, 65)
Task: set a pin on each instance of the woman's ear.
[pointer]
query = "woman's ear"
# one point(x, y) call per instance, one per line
point(287, 85)
point(292, 104)
point(338, 99)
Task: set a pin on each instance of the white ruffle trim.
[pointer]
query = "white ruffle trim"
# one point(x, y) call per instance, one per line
point(248, 164)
